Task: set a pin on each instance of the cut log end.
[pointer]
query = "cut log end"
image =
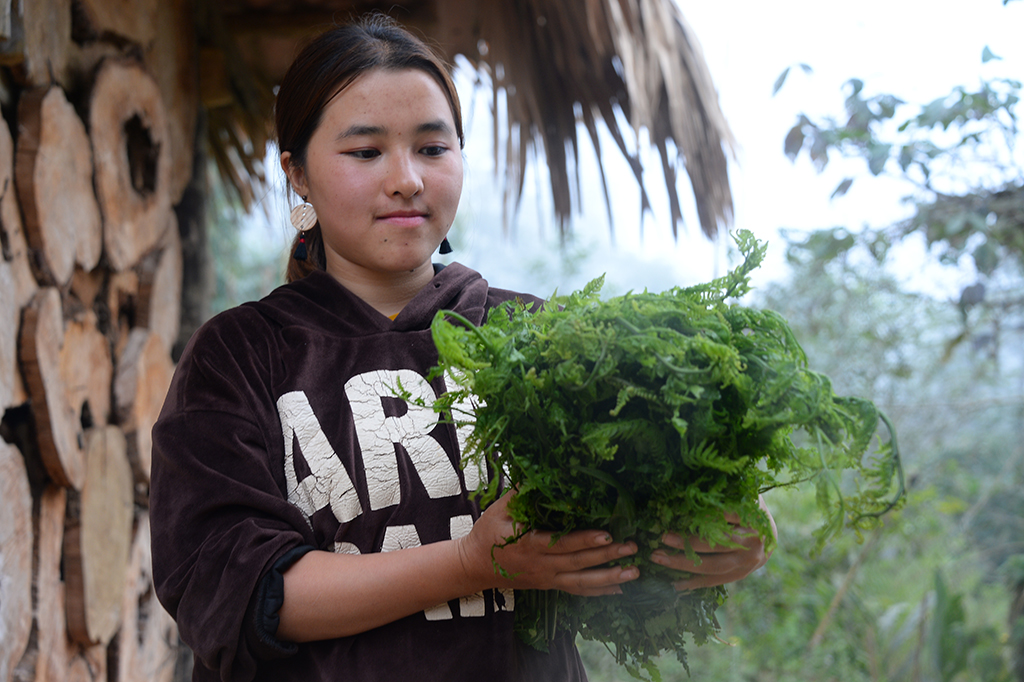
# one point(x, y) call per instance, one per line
point(59, 427)
point(146, 646)
point(160, 280)
point(54, 172)
point(132, 158)
point(143, 376)
point(87, 371)
point(13, 244)
point(15, 559)
point(97, 539)
point(55, 649)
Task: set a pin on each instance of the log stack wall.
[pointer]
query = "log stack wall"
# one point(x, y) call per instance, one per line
point(96, 150)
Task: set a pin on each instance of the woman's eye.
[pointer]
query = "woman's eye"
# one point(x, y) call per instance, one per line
point(365, 154)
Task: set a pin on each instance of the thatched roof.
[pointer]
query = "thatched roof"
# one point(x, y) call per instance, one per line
point(626, 64)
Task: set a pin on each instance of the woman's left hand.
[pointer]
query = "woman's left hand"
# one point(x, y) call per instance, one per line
point(718, 564)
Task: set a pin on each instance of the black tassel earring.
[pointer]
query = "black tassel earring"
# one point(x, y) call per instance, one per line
point(445, 248)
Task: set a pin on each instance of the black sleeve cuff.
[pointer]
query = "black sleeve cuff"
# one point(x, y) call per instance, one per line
point(262, 619)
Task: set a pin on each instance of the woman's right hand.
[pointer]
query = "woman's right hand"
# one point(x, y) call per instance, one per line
point(534, 562)
point(329, 595)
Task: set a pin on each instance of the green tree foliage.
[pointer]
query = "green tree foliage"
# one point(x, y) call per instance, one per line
point(958, 413)
point(958, 156)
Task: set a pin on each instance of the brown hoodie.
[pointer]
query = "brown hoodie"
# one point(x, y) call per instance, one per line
point(281, 434)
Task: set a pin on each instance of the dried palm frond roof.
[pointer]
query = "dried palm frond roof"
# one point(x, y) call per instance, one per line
point(556, 67)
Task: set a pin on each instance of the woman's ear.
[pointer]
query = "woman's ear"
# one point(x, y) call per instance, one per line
point(295, 174)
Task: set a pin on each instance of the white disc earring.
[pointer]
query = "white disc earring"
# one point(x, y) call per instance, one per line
point(303, 216)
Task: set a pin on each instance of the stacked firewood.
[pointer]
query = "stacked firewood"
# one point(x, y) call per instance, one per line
point(91, 166)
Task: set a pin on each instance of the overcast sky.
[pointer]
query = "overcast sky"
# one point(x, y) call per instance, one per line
point(916, 49)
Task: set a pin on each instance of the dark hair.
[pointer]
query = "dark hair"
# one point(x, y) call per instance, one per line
point(326, 66)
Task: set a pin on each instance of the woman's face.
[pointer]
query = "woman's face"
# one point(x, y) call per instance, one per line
point(384, 173)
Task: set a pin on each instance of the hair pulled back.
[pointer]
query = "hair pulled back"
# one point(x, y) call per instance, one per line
point(328, 64)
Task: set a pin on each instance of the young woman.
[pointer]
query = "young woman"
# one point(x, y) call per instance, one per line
point(307, 525)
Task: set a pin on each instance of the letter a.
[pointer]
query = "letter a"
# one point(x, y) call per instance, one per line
point(328, 482)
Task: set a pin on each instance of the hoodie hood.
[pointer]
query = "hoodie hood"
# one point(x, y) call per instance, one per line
point(320, 298)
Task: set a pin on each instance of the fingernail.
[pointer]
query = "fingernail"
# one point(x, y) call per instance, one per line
point(672, 540)
point(629, 573)
point(659, 557)
point(604, 539)
point(627, 549)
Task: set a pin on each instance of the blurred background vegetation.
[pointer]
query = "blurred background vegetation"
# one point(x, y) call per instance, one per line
point(937, 595)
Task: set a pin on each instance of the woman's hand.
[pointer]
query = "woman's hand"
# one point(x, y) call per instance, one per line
point(718, 564)
point(330, 595)
point(533, 562)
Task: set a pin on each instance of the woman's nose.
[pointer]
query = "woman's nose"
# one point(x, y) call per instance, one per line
point(403, 178)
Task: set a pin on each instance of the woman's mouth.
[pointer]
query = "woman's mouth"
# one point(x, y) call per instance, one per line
point(404, 218)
